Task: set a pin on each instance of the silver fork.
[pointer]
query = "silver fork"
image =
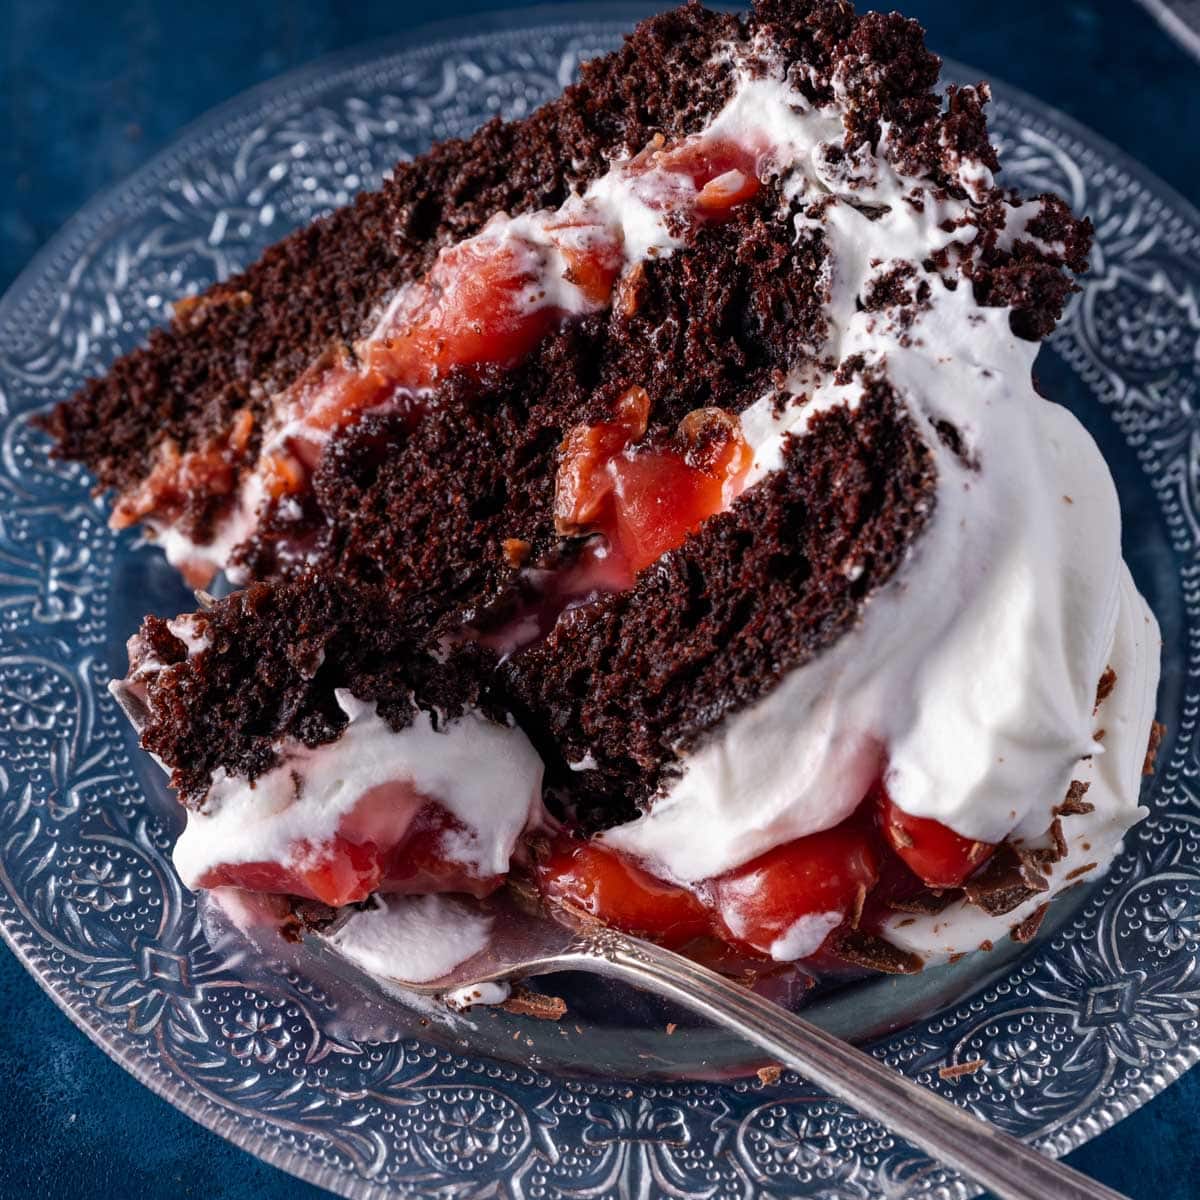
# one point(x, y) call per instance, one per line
point(525, 942)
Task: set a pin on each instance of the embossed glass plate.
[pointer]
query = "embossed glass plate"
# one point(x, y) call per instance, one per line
point(325, 1075)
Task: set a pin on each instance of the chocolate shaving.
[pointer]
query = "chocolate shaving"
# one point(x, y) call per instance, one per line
point(768, 1076)
point(1059, 839)
point(860, 898)
point(1010, 878)
point(957, 1070)
point(867, 950)
point(1157, 732)
point(1073, 803)
point(526, 1003)
point(987, 944)
point(1027, 929)
point(1104, 688)
point(927, 903)
point(1078, 871)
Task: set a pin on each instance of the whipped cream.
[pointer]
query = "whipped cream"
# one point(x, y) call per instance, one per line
point(416, 939)
point(486, 775)
point(972, 673)
point(1113, 775)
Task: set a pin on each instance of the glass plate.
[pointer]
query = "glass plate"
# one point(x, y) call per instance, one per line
point(324, 1074)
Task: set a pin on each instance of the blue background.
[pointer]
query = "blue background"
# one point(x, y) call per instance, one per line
point(88, 91)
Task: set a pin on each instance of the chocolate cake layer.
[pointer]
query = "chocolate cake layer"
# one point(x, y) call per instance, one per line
point(438, 516)
point(633, 681)
point(252, 335)
point(429, 503)
point(629, 680)
point(272, 656)
point(205, 384)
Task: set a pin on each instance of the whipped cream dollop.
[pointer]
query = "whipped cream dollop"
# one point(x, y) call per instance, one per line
point(486, 775)
point(971, 676)
point(416, 939)
point(1093, 838)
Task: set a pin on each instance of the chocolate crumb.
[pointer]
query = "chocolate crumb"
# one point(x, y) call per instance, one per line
point(1059, 839)
point(1078, 871)
point(987, 944)
point(1157, 731)
point(1104, 688)
point(1073, 803)
point(958, 1070)
point(769, 1076)
point(671, 1027)
point(1027, 929)
point(860, 898)
point(516, 551)
point(526, 1003)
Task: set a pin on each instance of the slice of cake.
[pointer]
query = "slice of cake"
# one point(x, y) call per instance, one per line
point(651, 495)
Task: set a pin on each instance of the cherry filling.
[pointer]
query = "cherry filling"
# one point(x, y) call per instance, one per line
point(487, 300)
point(935, 854)
point(795, 897)
point(645, 498)
point(381, 845)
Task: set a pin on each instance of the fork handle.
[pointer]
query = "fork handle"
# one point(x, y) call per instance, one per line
point(1011, 1169)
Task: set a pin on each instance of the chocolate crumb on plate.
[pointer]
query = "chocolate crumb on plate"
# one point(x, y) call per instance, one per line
point(526, 1003)
point(958, 1070)
point(1027, 929)
point(769, 1076)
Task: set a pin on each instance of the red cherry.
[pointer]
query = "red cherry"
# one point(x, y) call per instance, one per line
point(340, 872)
point(825, 873)
point(725, 173)
point(420, 864)
point(938, 855)
point(611, 888)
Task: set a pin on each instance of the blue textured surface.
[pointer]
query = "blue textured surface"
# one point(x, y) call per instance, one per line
point(86, 94)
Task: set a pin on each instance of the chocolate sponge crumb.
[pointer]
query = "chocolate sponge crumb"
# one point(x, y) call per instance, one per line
point(1157, 732)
